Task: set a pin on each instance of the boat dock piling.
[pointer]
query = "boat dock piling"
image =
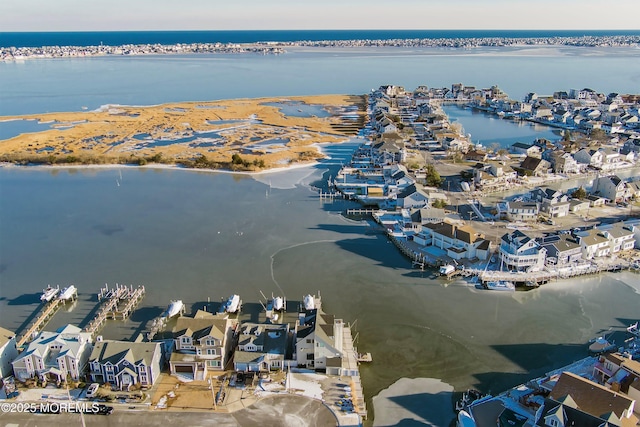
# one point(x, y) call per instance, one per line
point(46, 313)
point(116, 303)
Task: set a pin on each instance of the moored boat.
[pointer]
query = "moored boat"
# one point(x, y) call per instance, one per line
point(232, 304)
point(309, 302)
point(278, 303)
point(49, 293)
point(445, 270)
point(500, 285)
point(175, 307)
point(68, 293)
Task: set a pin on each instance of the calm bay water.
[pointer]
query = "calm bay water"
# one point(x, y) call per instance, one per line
point(194, 235)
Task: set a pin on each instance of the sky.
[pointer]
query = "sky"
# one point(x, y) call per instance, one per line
point(118, 15)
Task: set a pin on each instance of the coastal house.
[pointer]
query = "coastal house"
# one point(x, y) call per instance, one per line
point(594, 243)
point(523, 149)
point(521, 253)
point(124, 364)
point(54, 355)
point(577, 401)
point(562, 250)
point(534, 166)
point(412, 197)
point(577, 206)
point(202, 343)
point(261, 347)
point(492, 176)
point(8, 352)
point(588, 157)
point(554, 203)
point(610, 187)
point(319, 342)
point(522, 211)
point(458, 241)
point(621, 236)
point(563, 162)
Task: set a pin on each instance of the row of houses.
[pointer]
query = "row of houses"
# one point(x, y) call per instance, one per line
point(521, 252)
point(195, 346)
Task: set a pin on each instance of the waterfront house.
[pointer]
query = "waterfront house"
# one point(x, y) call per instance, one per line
point(534, 166)
point(522, 211)
point(52, 356)
point(412, 197)
point(202, 343)
point(577, 401)
point(523, 149)
point(621, 236)
point(552, 202)
point(562, 250)
point(320, 343)
point(492, 176)
point(521, 253)
point(458, 241)
point(8, 352)
point(261, 347)
point(594, 243)
point(610, 187)
point(576, 205)
point(124, 364)
point(588, 157)
point(562, 162)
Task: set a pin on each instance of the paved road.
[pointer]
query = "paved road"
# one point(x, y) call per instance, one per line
point(285, 410)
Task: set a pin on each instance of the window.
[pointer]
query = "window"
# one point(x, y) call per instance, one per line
point(309, 356)
point(309, 341)
point(213, 363)
point(211, 351)
point(210, 342)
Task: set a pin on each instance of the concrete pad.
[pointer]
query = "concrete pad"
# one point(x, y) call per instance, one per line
point(424, 400)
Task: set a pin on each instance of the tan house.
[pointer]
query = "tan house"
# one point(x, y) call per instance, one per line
point(203, 342)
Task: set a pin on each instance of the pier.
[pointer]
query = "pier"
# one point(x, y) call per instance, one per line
point(363, 212)
point(46, 313)
point(116, 303)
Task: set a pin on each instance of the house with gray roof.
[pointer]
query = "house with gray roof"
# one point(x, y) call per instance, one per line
point(521, 252)
point(621, 236)
point(54, 355)
point(610, 187)
point(319, 342)
point(261, 347)
point(562, 250)
point(594, 243)
point(459, 241)
point(8, 352)
point(202, 343)
point(124, 364)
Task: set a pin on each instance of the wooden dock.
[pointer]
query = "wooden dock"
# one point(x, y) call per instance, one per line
point(368, 212)
point(46, 313)
point(115, 303)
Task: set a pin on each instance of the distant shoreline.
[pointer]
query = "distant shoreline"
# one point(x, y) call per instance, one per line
point(10, 54)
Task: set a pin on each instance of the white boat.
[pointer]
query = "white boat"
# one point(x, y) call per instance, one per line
point(175, 307)
point(501, 285)
point(309, 302)
point(67, 293)
point(465, 186)
point(49, 293)
point(445, 270)
point(278, 303)
point(233, 304)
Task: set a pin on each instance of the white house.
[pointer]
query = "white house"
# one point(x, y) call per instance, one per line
point(124, 364)
point(522, 211)
point(459, 241)
point(8, 352)
point(520, 252)
point(589, 157)
point(594, 243)
point(610, 187)
point(621, 236)
point(54, 355)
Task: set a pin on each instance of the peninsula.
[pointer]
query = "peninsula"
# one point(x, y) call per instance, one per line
point(244, 134)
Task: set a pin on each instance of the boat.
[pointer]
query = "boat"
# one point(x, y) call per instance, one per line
point(466, 420)
point(501, 285)
point(601, 345)
point(175, 307)
point(68, 293)
point(49, 293)
point(278, 303)
point(446, 270)
point(465, 186)
point(309, 302)
point(232, 304)
point(633, 329)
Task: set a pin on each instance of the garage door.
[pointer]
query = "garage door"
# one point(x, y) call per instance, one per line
point(187, 368)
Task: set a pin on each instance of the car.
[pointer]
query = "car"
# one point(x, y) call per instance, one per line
point(93, 390)
point(105, 410)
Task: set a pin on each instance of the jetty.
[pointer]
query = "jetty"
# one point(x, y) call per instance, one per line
point(115, 303)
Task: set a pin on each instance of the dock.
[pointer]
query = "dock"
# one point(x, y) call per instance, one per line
point(46, 312)
point(115, 303)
